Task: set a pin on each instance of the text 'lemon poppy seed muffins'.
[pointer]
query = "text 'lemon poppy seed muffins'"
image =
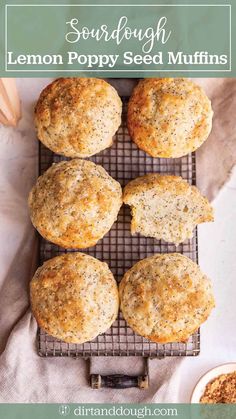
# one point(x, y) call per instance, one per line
point(74, 297)
point(75, 203)
point(166, 207)
point(77, 117)
point(165, 297)
point(169, 117)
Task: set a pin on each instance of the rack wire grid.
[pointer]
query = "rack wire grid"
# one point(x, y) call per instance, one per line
point(123, 161)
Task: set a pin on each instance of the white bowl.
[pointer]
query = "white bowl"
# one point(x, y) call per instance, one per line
point(209, 376)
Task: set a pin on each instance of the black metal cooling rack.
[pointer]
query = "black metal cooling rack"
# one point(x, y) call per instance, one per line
point(123, 161)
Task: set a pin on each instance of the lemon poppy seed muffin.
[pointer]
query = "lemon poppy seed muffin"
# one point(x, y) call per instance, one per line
point(166, 207)
point(169, 117)
point(77, 117)
point(74, 203)
point(165, 298)
point(74, 297)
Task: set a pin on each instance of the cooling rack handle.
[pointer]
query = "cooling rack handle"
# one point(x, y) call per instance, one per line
point(98, 381)
point(141, 381)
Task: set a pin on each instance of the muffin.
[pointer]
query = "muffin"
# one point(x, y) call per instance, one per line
point(169, 117)
point(166, 207)
point(74, 203)
point(165, 298)
point(78, 117)
point(74, 297)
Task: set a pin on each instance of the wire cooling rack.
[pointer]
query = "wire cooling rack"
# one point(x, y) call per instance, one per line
point(123, 161)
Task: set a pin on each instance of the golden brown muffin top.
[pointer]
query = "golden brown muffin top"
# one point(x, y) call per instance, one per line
point(77, 117)
point(74, 203)
point(169, 117)
point(166, 297)
point(74, 297)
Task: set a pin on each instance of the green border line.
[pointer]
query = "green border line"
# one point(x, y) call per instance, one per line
point(121, 5)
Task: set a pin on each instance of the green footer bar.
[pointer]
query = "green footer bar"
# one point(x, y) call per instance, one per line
point(139, 411)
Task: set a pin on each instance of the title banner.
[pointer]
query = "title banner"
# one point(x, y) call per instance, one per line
point(118, 40)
